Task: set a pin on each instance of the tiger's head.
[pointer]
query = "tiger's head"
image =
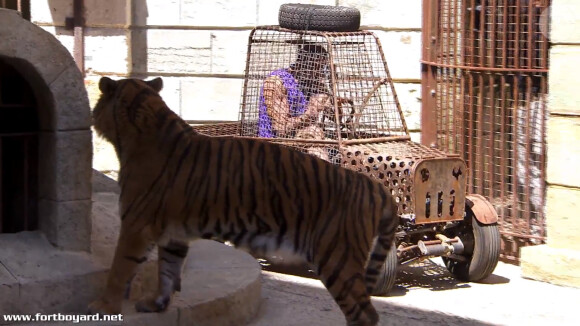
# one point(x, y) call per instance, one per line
point(128, 109)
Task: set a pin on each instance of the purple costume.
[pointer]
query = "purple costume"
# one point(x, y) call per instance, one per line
point(296, 101)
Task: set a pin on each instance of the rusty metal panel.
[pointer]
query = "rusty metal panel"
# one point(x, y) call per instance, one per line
point(439, 187)
point(491, 90)
point(398, 164)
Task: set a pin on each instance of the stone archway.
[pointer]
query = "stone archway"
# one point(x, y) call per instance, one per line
point(64, 135)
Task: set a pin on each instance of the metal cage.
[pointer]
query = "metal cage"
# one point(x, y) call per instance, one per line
point(353, 78)
point(485, 92)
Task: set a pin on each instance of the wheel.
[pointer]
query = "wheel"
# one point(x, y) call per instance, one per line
point(319, 17)
point(388, 274)
point(482, 248)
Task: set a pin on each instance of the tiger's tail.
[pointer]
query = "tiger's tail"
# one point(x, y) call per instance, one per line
point(382, 244)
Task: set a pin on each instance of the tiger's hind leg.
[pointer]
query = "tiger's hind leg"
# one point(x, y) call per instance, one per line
point(170, 265)
point(345, 282)
point(132, 249)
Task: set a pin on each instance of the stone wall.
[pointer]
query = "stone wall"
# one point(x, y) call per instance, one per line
point(559, 261)
point(199, 48)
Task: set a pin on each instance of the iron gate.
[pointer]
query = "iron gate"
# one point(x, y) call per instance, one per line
point(485, 68)
point(18, 153)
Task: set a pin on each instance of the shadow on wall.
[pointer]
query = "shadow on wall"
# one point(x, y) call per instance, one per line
point(126, 18)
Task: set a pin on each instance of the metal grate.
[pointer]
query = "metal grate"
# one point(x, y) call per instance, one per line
point(485, 90)
point(336, 88)
point(18, 153)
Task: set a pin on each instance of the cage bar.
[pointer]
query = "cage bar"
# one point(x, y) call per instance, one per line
point(494, 116)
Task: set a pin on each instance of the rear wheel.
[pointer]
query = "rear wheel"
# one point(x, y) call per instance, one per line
point(482, 248)
point(388, 273)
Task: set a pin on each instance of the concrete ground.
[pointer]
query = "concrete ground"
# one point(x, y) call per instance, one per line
point(425, 294)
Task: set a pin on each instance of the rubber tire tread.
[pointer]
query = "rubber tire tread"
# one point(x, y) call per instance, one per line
point(486, 251)
point(388, 274)
point(299, 16)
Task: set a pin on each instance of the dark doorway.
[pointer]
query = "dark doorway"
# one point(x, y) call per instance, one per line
point(18, 153)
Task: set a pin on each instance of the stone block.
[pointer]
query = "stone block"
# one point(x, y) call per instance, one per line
point(218, 13)
point(268, 10)
point(66, 176)
point(67, 224)
point(563, 152)
point(554, 265)
point(565, 27)
point(23, 39)
point(71, 295)
point(211, 98)
point(179, 51)
point(561, 208)
point(161, 12)
point(229, 52)
point(71, 105)
point(114, 13)
point(403, 53)
point(387, 13)
point(51, 11)
point(9, 290)
point(409, 96)
point(564, 96)
point(56, 11)
point(106, 50)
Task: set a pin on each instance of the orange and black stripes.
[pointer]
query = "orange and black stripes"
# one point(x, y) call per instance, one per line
point(178, 185)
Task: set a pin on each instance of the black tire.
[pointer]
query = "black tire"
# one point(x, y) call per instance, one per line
point(318, 17)
point(482, 244)
point(388, 274)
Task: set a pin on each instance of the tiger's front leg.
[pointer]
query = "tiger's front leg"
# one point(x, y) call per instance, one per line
point(132, 249)
point(170, 265)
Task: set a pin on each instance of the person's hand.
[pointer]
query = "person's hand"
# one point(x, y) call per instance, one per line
point(318, 103)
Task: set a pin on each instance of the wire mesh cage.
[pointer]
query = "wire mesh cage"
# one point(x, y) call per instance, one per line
point(487, 63)
point(317, 90)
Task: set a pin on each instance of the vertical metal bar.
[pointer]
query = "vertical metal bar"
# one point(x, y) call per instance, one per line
point(502, 142)
point(25, 186)
point(472, 33)
point(482, 43)
point(480, 141)
point(333, 83)
point(428, 81)
point(469, 133)
point(528, 154)
point(79, 38)
point(543, 114)
point(514, 161)
point(493, 32)
point(491, 133)
point(505, 49)
point(1, 188)
point(517, 36)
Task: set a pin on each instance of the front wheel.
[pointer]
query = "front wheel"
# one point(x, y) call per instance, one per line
point(482, 249)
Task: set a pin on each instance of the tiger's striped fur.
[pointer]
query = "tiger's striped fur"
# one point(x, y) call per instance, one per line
point(178, 186)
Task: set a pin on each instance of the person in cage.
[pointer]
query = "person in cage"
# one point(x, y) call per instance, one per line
point(292, 99)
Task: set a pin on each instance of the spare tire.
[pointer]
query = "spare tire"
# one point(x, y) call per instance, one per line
point(319, 17)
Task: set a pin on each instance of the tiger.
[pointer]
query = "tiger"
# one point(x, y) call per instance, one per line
point(178, 185)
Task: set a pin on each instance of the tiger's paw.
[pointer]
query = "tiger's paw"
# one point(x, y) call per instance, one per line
point(104, 307)
point(152, 304)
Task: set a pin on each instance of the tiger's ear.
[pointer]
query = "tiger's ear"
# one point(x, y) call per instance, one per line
point(107, 85)
point(156, 84)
